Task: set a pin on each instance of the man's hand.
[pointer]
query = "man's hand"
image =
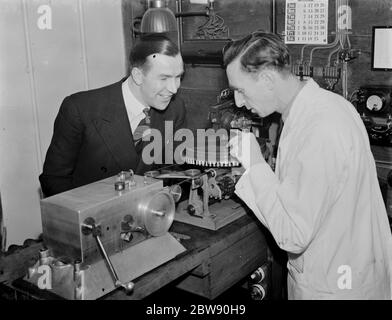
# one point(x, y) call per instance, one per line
point(246, 149)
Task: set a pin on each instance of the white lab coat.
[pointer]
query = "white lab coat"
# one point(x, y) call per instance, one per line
point(323, 204)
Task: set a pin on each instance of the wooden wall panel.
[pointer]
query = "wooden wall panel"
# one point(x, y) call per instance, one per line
point(58, 62)
point(105, 49)
point(199, 90)
point(13, 59)
point(19, 159)
point(83, 49)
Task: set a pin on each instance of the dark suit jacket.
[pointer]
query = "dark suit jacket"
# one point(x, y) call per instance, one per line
point(92, 139)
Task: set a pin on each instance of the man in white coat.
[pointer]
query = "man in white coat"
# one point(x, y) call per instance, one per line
point(323, 203)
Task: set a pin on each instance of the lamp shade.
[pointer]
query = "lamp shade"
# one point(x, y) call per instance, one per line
point(158, 18)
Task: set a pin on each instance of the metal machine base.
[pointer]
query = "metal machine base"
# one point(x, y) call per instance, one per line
point(95, 280)
point(221, 214)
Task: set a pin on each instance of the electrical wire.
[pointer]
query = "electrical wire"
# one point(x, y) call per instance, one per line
point(301, 61)
point(330, 46)
point(213, 28)
point(336, 40)
point(352, 95)
point(331, 54)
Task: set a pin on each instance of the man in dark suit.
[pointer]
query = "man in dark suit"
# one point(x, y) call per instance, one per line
point(94, 130)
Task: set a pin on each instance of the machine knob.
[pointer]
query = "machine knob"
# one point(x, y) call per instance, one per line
point(257, 292)
point(176, 191)
point(258, 275)
point(128, 287)
point(128, 224)
point(191, 209)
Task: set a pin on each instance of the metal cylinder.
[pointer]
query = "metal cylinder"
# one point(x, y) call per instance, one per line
point(156, 213)
point(176, 191)
point(77, 265)
point(119, 185)
point(157, 3)
point(258, 275)
point(257, 292)
point(261, 273)
point(152, 173)
point(44, 257)
point(158, 18)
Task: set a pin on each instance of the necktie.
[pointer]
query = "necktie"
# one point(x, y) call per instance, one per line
point(141, 129)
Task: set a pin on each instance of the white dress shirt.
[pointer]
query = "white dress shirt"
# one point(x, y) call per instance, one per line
point(134, 107)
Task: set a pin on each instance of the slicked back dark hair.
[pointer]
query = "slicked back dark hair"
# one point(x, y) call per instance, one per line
point(257, 51)
point(150, 44)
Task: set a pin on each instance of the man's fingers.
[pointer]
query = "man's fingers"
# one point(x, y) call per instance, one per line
point(234, 151)
point(233, 142)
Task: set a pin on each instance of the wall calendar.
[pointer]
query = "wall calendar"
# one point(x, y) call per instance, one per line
point(306, 22)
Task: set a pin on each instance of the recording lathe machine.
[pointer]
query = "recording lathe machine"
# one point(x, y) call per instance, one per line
point(103, 235)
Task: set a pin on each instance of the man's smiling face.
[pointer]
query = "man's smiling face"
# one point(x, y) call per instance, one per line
point(161, 78)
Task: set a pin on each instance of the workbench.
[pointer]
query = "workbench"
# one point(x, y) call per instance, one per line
point(213, 262)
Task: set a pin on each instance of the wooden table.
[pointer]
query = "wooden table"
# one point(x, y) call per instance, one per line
point(214, 262)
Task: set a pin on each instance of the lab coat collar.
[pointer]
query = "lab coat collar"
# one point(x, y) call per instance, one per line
point(298, 105)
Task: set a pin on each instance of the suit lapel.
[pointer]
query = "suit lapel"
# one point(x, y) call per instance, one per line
point(115, 130)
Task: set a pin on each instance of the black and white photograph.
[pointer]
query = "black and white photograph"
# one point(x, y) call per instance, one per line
point(197, 157)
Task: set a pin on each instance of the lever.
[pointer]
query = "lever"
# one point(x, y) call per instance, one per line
point(127, 286)
point(89, 227)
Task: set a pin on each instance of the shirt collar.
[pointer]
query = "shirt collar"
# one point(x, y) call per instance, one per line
point(134, 107)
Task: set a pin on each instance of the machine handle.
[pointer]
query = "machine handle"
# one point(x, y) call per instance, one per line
point(89, 227)
point(127, 286)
